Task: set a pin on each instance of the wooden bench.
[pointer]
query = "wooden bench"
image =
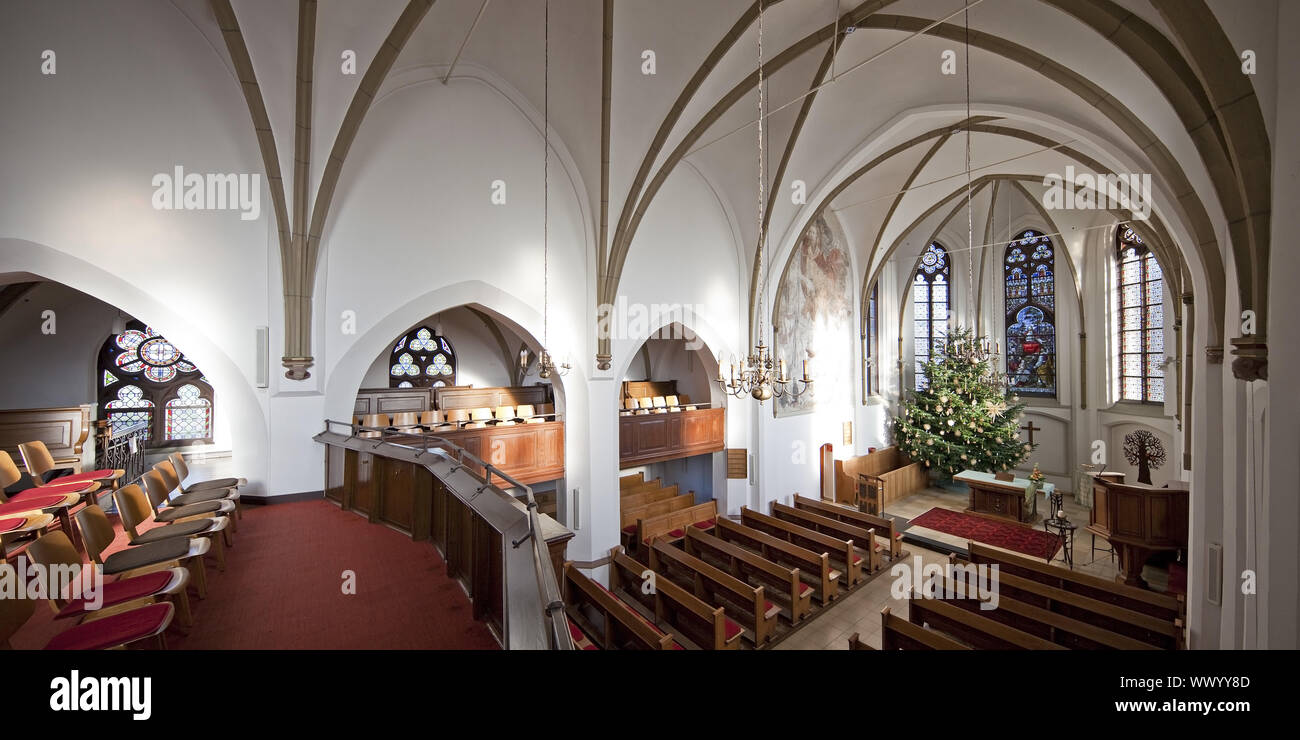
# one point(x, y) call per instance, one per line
point(674, 523)
point(978, 631)
point(628, 517)
point(884, 526)
point(628, 481)
point(647, 497)
point(813, 567)
point(622, 628)
point(856, 644)
point(643, 487)
point(785, 583)
point(1163, 606)
point(839, 550)
point(897, 633)
point(707, 626)
point(745, 603)
point(1154, 632)
point(862, 539)
point(1063, 630)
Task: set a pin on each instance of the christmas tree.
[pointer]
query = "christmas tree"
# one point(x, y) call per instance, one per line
point(962, 419)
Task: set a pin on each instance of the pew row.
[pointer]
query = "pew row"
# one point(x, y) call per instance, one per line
point(645, 498)
point(628, 517)
point(814, 568)
point(1162, 606)
point(786, 583)
point(674, 523)
point(884, 526)
point(972, 628)
point(622, 628)
point(862, 539)
point(1068, 632)
point(742, 602)
point(684, 613)
point(897, 633)
point(841, 551)
point(627, 481)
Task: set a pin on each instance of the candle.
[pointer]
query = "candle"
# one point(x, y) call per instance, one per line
point(721, 378)
point(781, 364)
point(805, 371)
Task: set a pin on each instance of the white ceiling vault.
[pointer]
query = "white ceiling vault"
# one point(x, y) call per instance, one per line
point(1123, 85)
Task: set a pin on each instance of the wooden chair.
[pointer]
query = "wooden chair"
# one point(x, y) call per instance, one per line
point(56, 550)
point(377, 422)
point(431, 419)
point(135, 510)
point(40, 463)
point(18, 485)
point(674, 404)
point(529, 415)
point(118, 630)
point(685, 401)
point(406, 421)
point(505, 415)
point(163, 477)
point(56, 504)
point(457, 418)
point(159, 486)
point(480, 417)
point(659, 405)
point(644, 406)
point(181, 472)
point(169, 553)
point(629, 407)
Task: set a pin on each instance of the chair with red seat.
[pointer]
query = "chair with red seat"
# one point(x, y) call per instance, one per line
point(55, 503)
point(117, 630)
point(40, 463)
point(18, 485)
point(55, 550)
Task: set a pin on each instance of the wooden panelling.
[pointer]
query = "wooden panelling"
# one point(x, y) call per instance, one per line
point(737, 463)
point(63, 430)
point(462, 397)
point(392, 400)
point(359, 474)
point(335, 470)
point(529, 453)
point(649, 388)
point(656, 437)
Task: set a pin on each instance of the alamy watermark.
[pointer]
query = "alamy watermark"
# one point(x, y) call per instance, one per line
point(178, 190)
point(626, 320)
point(947, 581)
point(1086, 191)
point(23, 579)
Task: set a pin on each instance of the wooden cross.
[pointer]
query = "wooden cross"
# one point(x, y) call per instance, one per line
point(1031, 429)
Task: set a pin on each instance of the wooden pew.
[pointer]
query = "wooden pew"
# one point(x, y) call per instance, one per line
point(897, 633)
point(977, 630)
point(648, 497)
point(862, 539)
point(883, 525)
point(673, 524)
point(623, 628)
point(627, 481)
point(643, 487)
point(1162, 606)
point(629, 517)
point(1152, 631)
point(746, 565)
point(814, 567)
point(839, 550)
point(745, 603)
point(856, 644)
point(706, 626)
point(1058, 628)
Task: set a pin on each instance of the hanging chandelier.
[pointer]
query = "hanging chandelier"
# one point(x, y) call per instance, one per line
point(546, 363)
point(760, 376)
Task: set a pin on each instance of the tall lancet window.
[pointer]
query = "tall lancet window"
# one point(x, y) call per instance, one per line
point(1029, 269)
point(871, 345)
point(930, 302)
point(1139, 320)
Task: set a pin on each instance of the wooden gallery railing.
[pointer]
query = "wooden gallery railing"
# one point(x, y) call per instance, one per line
point(433, 489)
point(122, 449)
point(655, 437)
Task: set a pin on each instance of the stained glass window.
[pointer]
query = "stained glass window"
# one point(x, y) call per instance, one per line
point(421, 359)
point(930, 304)
point(189, 414)
point(1029, 271)
point(141, 370)
point(1139, 316)
point(871, 344)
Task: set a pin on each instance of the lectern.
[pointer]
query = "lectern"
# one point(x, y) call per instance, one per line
point(1138, 521)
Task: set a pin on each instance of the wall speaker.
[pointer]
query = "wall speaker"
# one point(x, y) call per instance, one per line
point(263, 353)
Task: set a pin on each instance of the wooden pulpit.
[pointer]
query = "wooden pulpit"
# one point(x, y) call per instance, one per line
point(1138, 521)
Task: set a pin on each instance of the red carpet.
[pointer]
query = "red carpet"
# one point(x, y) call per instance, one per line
point(1032, 542)
point(282, 589)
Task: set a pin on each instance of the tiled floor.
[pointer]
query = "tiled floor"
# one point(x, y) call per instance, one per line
point(860, 612)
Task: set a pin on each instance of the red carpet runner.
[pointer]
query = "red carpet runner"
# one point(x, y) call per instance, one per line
point(1032, 542)
point(282, 590)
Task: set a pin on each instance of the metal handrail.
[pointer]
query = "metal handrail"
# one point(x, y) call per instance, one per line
point(547, 580)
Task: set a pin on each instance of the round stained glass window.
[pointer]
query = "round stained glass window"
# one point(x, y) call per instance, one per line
point(129, 363)
point(130, 339)
point(160, 374)
point(159, 352)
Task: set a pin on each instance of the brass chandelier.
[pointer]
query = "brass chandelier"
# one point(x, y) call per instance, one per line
point(760, 376)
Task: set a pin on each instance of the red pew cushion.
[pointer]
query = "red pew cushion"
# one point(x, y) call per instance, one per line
point(580, 640)
point(91, 475)
point(112, 631)
point(31, 503)
point(629, 529)
point(732, 629)
point(804, 588)
point(705, 524)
